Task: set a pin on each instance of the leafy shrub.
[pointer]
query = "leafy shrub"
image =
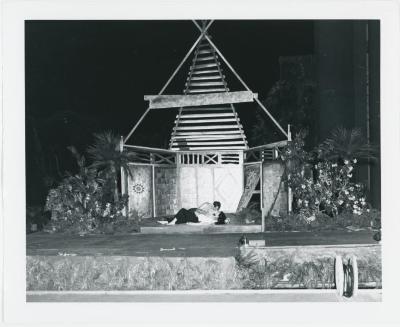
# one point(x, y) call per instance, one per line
point(86, 201)
point(320, 185)
point(78, 205)
point(322, 221)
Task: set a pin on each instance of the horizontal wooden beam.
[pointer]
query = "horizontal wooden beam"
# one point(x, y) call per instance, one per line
point(212, 109)
point(215, 83)
point(202, 45)
point(207, 127)
point(206, 58)
point(201, 66)
point(226, 114)
point(239, 143)
point(209, 71)
point(208, 137)
point(226, 148)
point(186, 133)
point(278, 144)
point(198, 78)
point(204, 51)
point(177, 101)
point(221, 89)
point(203, 121)
point(147, 149)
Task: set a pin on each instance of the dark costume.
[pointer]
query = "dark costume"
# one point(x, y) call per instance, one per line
point(221, 219)
point(186, 216)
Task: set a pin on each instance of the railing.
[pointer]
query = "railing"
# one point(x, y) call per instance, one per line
point(154, 156)
point(264, 152)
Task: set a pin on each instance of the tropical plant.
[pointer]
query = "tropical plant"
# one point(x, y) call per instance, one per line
point(79, 203)
point(346, 144)
point(108, 159)
point(325, 187)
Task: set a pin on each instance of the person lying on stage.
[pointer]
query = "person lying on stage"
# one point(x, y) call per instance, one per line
point(205, 214)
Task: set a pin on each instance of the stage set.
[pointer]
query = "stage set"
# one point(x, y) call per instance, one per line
point(208, 157)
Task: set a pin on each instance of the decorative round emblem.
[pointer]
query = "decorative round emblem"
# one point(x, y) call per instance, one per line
point(138, 188)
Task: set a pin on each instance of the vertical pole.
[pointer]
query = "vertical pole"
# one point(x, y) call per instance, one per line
point(290, 196)
point(123, 190)
point(154, 189)
point(262, 198)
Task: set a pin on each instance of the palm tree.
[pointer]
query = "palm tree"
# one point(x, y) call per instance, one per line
point(346, 144)
point(108, 159)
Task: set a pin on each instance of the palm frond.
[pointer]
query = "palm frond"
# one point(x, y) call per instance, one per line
point(346, 144)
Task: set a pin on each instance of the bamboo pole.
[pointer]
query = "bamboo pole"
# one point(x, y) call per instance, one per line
point(289, 189)
point(241, 81)
point(171, 77)
point(123, 190)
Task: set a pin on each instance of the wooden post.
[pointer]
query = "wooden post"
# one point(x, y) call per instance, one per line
point(290, 196)
point(123, 190)
point(262, 198)
point(154, 189)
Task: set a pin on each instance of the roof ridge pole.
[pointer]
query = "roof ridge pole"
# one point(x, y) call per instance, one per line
point(170, 79)
point(241, 81)
point(203, 33)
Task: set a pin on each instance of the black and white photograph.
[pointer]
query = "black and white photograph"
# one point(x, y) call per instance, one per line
point(202, 160)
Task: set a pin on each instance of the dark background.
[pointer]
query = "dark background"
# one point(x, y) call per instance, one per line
point(88, 76)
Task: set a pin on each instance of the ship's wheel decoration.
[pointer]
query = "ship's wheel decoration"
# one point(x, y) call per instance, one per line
point(138, 188)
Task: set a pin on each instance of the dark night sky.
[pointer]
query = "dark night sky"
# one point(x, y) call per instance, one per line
point(92, 75)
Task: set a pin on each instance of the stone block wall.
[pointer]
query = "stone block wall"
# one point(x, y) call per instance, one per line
point(139, 189)
point(166, 190)
point(272, 172)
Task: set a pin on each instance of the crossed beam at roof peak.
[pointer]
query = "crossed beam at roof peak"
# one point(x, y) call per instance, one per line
point(203, 34)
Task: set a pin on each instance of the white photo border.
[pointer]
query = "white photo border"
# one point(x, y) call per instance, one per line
point(15, 308)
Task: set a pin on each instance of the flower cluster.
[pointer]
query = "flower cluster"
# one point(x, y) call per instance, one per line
point(79, 201)
point(325, 187)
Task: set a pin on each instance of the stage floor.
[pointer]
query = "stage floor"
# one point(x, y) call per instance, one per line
point(182, 245)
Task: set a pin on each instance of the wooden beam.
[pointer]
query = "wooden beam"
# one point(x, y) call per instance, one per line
point(269, 146)
point(208, 137)
point(177, 101)
point(208, 133)
point(207, 143)
point(197, 121)
point(212, 148)
point(227, 114)
point(209, 71)
point(217, 83)
point(147, 149)
point(201, 66)
point(205, 58)
point(186, 109)
point(208, 127)
point(206, 51)
point(208, 90)
point(194, 78)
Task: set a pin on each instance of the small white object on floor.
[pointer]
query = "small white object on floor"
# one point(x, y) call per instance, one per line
point(162, 249)
point(65, 254)
point(163, 222)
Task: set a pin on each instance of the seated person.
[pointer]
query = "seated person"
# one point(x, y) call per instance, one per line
point(206, 214)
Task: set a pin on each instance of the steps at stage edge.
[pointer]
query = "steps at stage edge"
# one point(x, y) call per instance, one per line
point(206, 229)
